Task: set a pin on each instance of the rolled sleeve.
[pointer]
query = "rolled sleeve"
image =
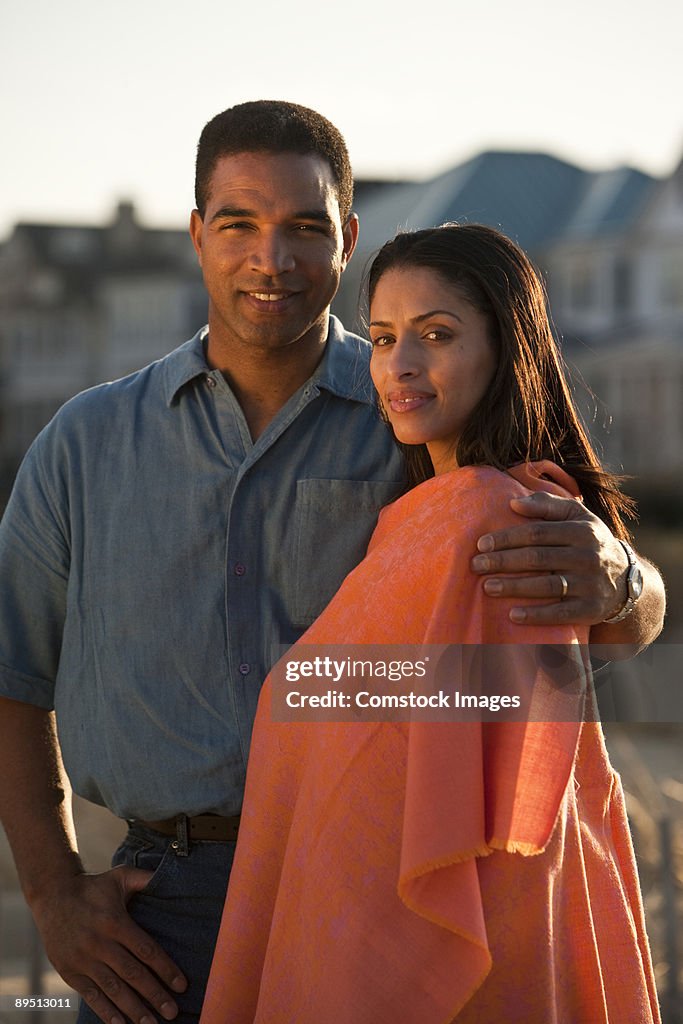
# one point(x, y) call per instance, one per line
point(34, 571)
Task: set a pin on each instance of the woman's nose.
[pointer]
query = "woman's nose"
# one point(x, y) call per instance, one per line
point(402, 360)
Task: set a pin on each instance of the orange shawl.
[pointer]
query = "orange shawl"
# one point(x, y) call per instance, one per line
point(426, 872)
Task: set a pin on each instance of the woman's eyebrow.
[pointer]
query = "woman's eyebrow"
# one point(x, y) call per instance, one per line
point(419, 318)
point(435, 312)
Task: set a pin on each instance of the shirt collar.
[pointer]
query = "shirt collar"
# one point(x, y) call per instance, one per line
point(184, 364)
point(343, 369)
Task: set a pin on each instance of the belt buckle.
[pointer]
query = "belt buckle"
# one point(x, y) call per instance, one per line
point(180, 844)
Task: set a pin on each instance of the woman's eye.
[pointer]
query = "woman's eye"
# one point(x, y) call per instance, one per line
point(381, 340)
point(437, 335)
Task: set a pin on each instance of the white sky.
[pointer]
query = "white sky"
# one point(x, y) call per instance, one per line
point(101, 101)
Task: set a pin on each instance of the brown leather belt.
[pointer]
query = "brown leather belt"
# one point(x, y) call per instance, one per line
point(213, 827)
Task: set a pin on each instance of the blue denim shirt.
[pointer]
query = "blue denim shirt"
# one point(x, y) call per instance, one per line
point(153, 558)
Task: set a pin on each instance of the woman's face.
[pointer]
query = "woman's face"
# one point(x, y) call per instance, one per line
point(432, 359)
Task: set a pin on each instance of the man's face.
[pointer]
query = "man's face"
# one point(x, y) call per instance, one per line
point(272, 248)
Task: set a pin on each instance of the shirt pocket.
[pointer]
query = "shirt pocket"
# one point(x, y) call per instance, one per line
point(335, 520)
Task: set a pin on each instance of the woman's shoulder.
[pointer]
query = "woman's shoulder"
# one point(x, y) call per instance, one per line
point(464, 481)
point(467, 495)
point(488, 479)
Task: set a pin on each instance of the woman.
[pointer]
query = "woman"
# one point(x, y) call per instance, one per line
point(414, 871)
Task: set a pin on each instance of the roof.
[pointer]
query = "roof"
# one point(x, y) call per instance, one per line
point(611, 202)
point(80, 256)
point(528, 196)
point(535, 198)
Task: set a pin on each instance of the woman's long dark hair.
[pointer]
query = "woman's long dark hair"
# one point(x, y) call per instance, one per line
point(527, 413)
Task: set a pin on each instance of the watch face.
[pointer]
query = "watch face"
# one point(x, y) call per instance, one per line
point(635, 584)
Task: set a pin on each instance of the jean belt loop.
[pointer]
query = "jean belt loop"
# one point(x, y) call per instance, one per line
point(180, 843)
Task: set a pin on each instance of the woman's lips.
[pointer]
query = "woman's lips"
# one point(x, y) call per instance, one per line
point(407, 401)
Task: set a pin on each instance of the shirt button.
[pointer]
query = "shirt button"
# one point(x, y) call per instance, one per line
point(210, 381)
point(240, 569)
point(244, 668)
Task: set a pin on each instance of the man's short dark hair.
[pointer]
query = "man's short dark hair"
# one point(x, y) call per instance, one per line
point(273, 126)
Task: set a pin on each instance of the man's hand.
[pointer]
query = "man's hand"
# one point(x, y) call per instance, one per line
point(83, 919)
point(100, 952)
point(567, 540)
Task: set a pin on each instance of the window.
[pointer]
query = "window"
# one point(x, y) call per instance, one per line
point(623, 285)
point(582, 291)
point(671, 279)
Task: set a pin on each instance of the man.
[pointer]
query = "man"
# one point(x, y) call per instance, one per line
point(169, 532)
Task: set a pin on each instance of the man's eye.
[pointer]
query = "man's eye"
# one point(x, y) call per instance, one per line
point(234, 225)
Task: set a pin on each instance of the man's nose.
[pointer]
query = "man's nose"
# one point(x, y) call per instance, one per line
point(272, 254)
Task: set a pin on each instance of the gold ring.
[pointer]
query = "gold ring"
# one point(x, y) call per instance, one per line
point(565, 586)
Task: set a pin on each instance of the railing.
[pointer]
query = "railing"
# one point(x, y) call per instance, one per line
point(657, 833)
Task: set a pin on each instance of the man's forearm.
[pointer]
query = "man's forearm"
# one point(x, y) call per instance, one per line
point(89, 937)
point(35, 804)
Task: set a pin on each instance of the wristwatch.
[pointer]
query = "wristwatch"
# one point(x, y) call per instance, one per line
point(634, 584)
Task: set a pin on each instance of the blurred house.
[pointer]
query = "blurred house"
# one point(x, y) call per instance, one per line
point(529, 196)
point(610, 246)
point(616, 291)
point(80, 305)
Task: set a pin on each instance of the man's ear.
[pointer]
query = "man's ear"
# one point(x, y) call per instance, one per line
point(196, 229)
point(350, 236)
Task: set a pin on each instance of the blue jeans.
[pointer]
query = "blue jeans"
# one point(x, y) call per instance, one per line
point(180, 908)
